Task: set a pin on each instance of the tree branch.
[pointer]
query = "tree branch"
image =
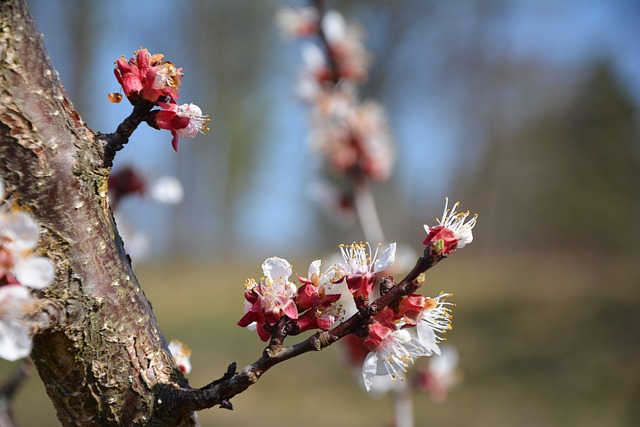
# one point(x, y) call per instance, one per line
point(233, 383)
point(116, 141)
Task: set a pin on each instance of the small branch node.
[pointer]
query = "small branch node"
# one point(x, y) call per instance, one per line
point(225, 404)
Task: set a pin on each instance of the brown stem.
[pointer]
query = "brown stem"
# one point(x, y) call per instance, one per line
point(233, 383)
point(116, 141)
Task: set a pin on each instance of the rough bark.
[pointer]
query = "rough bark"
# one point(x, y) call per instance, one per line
point(99, 352)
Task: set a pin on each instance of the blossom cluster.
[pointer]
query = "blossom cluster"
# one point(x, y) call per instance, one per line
point(274, 297)
point(397, 335)
point(20, 272)
point(352, 137)
point(147, 78)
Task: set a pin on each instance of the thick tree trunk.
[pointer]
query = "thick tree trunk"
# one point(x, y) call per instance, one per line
point(99, 353)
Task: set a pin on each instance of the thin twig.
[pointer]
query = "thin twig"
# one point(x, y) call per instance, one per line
point(116, 141)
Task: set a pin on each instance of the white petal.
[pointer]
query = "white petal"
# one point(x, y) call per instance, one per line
point(35, 272)
point(22, 229)
point(193, 110)
point(382, 384)
point(312, 56)
point(334, 26)
point(427, 337)
point(2, 193)
point(275, 268)
point(15, 342)
point(314, 268)
point(402, 335)
point(386, 259)
point(464, 235)
point(13, 301)
point(446, 363)
point(369, 369)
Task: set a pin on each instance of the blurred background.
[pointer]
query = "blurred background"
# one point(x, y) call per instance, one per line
point(526, 111)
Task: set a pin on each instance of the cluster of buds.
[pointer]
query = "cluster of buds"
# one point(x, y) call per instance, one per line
point(395, 336)
point(274, 298)
point(20, 272)
point(352, 137)
point(148, 80)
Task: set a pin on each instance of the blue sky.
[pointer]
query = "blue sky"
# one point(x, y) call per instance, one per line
point(566, 34)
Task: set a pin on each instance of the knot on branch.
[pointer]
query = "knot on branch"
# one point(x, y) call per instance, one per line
point(325, 339)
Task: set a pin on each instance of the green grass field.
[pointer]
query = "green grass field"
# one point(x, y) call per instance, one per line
point(543, 341)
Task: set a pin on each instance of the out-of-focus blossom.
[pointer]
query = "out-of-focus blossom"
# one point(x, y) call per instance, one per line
point(167, 189)
point(20, 269)
point(310, 83)
point(439, 375)
point(346, 46)
point(338, 205)
point(128, 181)
point(15, 335)
point(18, 239)
point(125, 181)
point(148, 77)
point(271, 298)
point(361, 265)
point(351, 137)
point(452, 232)
point(299, 22)
point(136, 243)
point(181, 354)
point(372, 139)
point(184, 121)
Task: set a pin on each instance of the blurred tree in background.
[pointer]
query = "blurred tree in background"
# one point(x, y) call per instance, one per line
point(477, 90)
point(568, 177)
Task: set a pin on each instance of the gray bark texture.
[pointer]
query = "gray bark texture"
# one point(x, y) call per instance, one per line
point(99, 350)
